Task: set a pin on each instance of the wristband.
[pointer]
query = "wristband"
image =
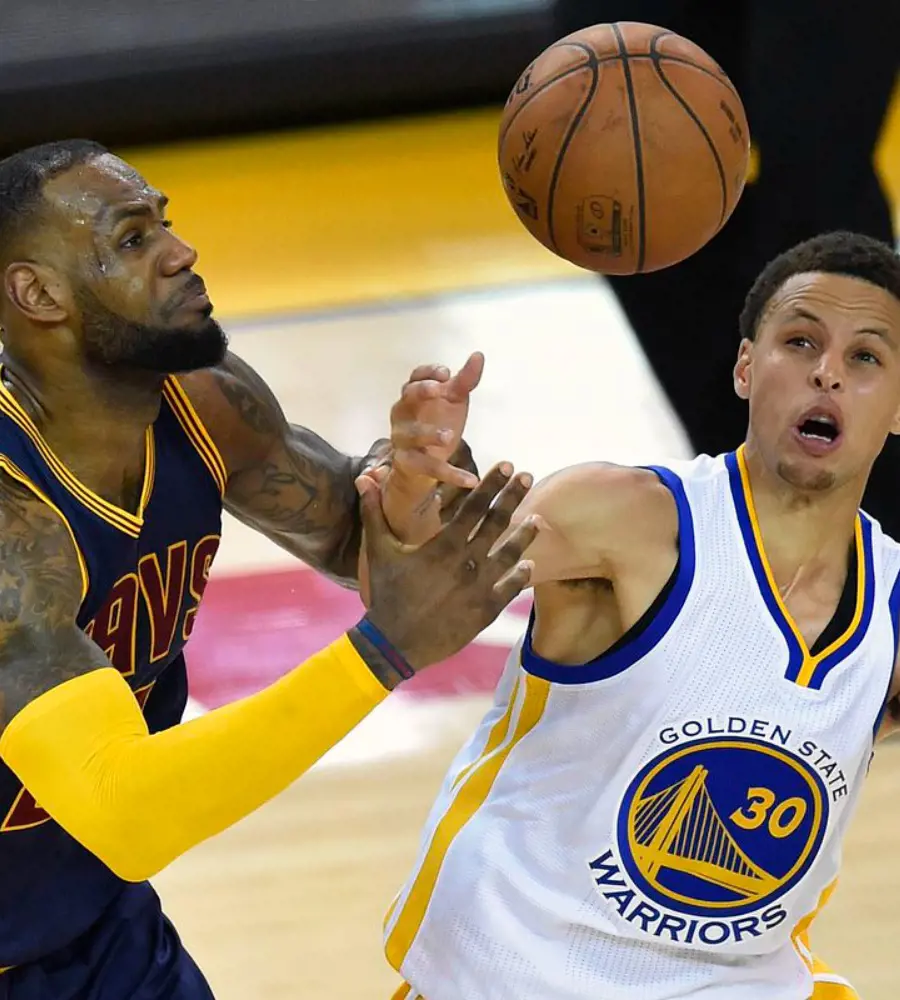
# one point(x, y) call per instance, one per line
point(384, 647)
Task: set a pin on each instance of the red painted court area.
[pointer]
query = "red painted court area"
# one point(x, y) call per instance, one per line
point(252, 629)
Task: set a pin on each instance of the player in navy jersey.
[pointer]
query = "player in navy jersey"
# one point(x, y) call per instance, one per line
point(113, 476)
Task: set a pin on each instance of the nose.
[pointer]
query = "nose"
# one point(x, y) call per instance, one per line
point(828, 373)
point(177, 256)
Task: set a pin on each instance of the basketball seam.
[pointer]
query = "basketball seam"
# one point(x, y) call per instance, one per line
point(662, 57)
point(636, 139)
point(721, 76)
point(539, 90)
point(696, 120)
point(593, 65)
point(601, 60)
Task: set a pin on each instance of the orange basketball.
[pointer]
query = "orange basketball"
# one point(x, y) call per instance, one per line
point(624, 148)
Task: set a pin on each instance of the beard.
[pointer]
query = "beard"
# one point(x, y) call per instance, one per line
point(809, 480)
point(113, 341)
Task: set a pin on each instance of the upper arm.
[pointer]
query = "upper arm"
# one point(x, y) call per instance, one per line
point(283, 480)
point(596, 517)
point(41, 644)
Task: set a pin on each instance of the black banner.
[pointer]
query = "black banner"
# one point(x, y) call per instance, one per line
point(125, 71)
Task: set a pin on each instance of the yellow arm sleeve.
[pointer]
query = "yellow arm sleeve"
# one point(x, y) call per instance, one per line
point(138, 801)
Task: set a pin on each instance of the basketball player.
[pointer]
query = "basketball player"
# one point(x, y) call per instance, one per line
point(113, 476)
point(654, 806)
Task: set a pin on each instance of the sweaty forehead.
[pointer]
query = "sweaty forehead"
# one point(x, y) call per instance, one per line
point(836, 298)
point(89, 190)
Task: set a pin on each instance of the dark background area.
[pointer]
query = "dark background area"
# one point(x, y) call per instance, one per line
point(125, 72)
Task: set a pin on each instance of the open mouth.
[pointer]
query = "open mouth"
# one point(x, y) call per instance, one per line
point(819, 427)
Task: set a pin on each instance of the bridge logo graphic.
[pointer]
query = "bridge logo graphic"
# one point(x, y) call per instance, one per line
point(721, 826)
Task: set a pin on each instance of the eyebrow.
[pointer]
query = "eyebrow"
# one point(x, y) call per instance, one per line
point(875, 331)
point(114, 214)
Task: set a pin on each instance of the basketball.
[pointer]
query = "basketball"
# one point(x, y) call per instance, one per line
point(624, 148)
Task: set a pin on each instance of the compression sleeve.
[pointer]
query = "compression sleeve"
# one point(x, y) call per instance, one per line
point(138, 801)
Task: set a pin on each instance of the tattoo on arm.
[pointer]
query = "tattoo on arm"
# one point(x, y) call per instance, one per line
point(296, 489)
point(41, 644)
point(249, 396)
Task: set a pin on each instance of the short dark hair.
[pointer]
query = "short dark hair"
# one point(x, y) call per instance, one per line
point(23, 176)
point(850, 254)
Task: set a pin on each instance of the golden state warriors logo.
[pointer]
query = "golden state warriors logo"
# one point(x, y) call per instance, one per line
point(713, 833)
point(721, 826)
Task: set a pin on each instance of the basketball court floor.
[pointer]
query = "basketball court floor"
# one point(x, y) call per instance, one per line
point(338, 261)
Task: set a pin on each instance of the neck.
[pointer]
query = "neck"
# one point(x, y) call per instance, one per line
point(94, 420)
point(803, 531)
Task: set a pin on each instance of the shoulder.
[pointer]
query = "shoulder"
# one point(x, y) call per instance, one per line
point(237, 409)
point(602, 489)
point(610, 510)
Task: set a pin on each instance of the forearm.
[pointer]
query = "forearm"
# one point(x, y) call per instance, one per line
point(344, 562)
point(305, 501)
point(138, 801)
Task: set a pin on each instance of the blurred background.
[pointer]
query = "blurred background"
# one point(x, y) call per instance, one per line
point(334, 163)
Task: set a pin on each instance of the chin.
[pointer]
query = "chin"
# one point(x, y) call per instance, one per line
point(170, 352)
point(809, 475)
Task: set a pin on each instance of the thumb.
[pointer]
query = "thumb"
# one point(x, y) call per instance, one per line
point(375, 526)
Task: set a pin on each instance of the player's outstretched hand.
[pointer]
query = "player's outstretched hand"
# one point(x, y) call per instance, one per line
point(428, 420)
point(427, 603)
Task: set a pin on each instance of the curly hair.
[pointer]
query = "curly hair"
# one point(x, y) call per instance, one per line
point(850, 254)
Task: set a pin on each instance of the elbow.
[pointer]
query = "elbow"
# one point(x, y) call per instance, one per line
point(130, 868)
point(134, 851)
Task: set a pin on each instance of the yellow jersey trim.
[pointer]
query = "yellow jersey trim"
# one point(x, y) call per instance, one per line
point(196, 431)
point(800, 934)
point(471, 795)
point(130, 524)
point(807, 669)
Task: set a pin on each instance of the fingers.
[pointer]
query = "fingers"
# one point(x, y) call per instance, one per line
point(414, 394)
point(375, 527)
point(476, 505)
point(510, 586)
point(439, 373)
point(465, 380)
point(378, 474)
point(520, 539)
point(497, 518)
point(414, 434)
point(420, 463)
point(431, 381)
point(450, 498)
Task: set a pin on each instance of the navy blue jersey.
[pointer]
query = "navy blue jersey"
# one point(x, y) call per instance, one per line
point(144, 575)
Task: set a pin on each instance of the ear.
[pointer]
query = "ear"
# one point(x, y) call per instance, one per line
point(895, 423)
point(37, 293)
point(742, 369)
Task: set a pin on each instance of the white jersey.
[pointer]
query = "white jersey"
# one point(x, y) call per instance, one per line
point(666, 820)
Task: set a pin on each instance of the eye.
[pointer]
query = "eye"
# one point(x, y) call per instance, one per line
point(136, 238)
point(867, 358)
point(799, 340)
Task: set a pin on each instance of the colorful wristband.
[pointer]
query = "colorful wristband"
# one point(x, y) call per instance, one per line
point(393, 657)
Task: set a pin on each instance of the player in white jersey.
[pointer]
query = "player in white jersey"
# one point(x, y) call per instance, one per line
point(654, 806)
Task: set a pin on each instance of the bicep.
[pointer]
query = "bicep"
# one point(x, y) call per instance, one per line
point(284, 480)
point(41, 589)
